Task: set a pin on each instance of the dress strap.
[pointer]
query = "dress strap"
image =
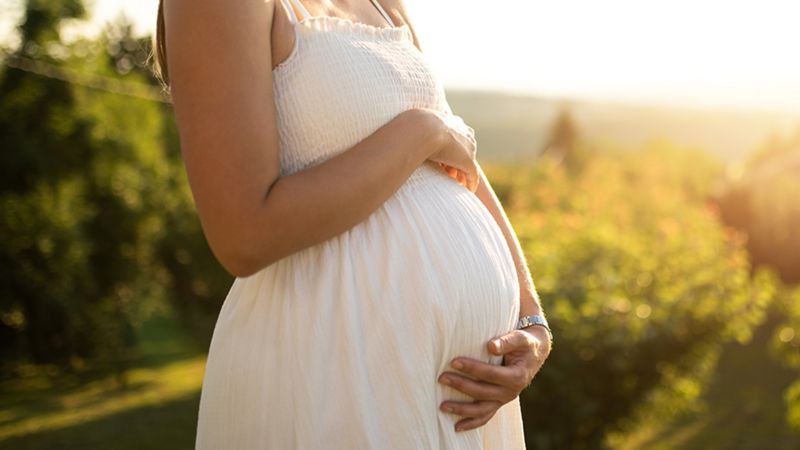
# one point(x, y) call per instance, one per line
point(294, 6)
point(383, 13)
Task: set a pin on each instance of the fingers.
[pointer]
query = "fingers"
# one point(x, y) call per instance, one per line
point(479, 390)
point(455, 173)
point(476, 413)
point(513, 377)
point(466, 178)
point(472, 423)
point(471, 409)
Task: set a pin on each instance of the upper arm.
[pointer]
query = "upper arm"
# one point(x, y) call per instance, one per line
point(219, 60)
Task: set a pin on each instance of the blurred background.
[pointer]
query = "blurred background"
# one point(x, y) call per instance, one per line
point(647, 154)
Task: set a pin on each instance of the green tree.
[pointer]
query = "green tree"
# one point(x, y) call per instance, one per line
point(785, 345)
point(563, 142)
point(760, 199)
point(81, 192)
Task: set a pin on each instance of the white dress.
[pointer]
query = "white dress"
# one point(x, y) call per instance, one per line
point(340, 345)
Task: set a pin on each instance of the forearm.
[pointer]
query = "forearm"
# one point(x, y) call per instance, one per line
point(327, 199)
point(529, 298)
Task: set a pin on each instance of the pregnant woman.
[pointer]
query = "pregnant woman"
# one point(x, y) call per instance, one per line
point(381, 299)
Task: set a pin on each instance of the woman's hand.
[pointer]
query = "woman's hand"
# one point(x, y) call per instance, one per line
point(456, 174)
point(456, 156)
point(524, 352)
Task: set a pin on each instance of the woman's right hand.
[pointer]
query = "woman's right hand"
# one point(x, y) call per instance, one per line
point(456, 153)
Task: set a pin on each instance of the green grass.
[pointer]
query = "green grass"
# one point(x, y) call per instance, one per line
point(156, 408)
point(741, 409)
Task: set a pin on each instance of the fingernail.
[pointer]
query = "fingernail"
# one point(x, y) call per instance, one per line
point(496, 344)
point(447, 408)
point(458, 364)
point(445, 380)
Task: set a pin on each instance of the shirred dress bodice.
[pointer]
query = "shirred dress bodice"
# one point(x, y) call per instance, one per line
point(342, 81)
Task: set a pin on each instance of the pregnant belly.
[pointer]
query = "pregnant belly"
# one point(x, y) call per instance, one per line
point(454, 253)
point(456, 272)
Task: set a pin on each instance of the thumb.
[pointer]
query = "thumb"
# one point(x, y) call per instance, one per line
point(506, 343)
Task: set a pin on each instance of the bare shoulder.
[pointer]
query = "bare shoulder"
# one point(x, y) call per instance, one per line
point(400, 15)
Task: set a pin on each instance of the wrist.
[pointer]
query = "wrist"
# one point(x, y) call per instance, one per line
point(437, 138)
point(542, 335)
point(538, 331)
point(536, 324)
point(428, 129)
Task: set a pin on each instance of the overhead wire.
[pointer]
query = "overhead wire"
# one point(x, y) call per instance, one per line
point(92, 81)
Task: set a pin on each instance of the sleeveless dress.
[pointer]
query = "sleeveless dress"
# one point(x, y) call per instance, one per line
point(340, 345)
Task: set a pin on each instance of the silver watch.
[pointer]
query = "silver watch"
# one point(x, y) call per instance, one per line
point(535, 319)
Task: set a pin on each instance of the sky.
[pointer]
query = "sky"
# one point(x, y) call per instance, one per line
point(705, 53)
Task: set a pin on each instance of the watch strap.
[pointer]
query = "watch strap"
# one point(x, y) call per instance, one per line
point(534, 319)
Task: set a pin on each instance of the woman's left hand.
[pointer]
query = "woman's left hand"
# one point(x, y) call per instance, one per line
point(455, 174)
point(491, 386)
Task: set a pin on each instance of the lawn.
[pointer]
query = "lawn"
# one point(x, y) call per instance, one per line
point(742, 408)
point(158, 407)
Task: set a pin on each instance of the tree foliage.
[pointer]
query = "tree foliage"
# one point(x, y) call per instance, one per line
point(761, 200)
point(563, 145)
point(641, 285)
point(80, 202)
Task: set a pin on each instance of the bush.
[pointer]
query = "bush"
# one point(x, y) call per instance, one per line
point(641, 285)
point(785, 345)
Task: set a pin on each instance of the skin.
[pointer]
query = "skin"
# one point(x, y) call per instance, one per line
point(229, 141)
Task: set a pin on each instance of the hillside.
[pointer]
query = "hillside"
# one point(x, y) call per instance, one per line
point(514, 127)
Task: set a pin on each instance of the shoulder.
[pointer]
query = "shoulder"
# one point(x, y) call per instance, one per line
point(397, 9)
point(399, 12)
